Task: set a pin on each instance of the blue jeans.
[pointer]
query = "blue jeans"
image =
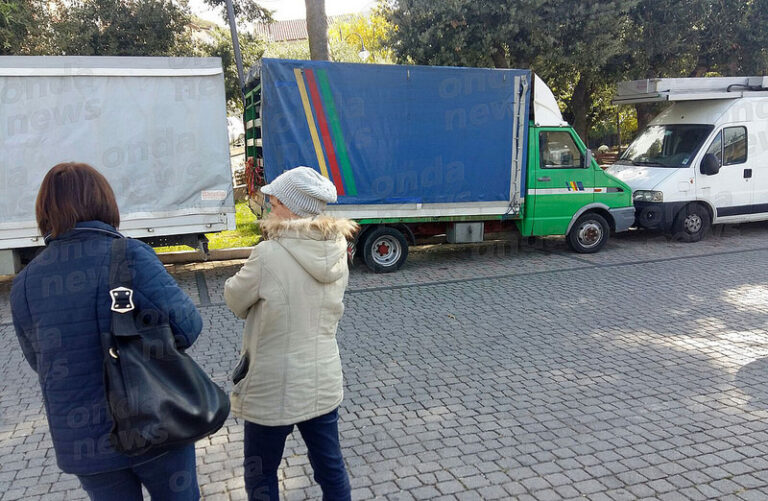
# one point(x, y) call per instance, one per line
point(171, 477)
point(264, 447)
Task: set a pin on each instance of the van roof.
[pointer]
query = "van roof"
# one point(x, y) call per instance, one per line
point(689, 89)
point(714, 111)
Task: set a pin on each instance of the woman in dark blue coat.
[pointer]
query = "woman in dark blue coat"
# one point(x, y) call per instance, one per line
point(60, 305)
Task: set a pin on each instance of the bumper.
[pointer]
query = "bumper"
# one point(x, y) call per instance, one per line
point(623, 218)
point(657, 215)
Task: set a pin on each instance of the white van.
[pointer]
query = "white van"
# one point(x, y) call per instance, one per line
point(704, 159)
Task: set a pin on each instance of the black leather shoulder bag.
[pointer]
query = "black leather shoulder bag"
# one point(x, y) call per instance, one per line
point(158, 396)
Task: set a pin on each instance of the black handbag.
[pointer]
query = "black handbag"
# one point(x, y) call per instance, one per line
point(158, 396)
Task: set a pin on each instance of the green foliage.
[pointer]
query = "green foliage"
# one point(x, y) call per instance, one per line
point(249, 10)
point(558, 38)
point(246, 234)
point(586, 39)
point(733, 37)
point(344, 43)
point(604, 117)
point(656, 45)
point(347, 37)
point(21, 24)
point(696, 37)
point(582, 49)
point(251, 48)
point(121, 28)
point(464, 32)
point(288, 50)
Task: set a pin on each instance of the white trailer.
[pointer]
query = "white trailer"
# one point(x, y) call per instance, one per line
point(156, 127)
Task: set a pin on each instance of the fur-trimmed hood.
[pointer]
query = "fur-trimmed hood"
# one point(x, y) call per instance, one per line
point(315, 228)
point(318, 244)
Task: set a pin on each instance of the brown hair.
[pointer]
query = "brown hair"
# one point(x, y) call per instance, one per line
point(74, 192)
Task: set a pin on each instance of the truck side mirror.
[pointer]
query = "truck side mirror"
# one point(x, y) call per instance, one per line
point(710, 165)
point(587, 159)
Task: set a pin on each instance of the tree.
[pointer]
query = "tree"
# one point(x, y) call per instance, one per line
point(661, 41)
point(249, 10)
point(465, 32)
point(317, 29)
point(373, 32)
point(252, 49)
point(21, 26)
point(586, 43)
point(694, 38)
point(733, 39)
point(122, 28)
point(753, 39)
point(558, 38)
point(662, 38)
point(288, 50)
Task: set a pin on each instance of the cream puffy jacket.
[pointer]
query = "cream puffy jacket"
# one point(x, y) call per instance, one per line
point(290, 292)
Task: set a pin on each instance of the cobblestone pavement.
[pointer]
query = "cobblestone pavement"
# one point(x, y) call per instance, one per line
point(523, 373)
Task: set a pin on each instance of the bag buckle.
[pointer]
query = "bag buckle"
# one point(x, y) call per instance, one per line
point(122, 299)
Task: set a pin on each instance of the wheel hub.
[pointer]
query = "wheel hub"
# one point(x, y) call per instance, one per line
point(386, 250)
point(383, 249)
point(692, 223)
point(590, 234)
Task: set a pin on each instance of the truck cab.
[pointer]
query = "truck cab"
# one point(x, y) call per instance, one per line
point(699, 162)
point(568, 193)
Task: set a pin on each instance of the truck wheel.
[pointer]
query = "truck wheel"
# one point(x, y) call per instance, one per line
point(385, 250)
point(691, 223)
point(589, 233)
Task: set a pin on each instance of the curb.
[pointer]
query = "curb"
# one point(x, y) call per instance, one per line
point(186, 257)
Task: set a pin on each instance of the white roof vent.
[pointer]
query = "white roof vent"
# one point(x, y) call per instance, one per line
point(689, 89)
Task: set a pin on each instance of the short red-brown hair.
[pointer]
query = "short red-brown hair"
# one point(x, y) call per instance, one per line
point(74, 192)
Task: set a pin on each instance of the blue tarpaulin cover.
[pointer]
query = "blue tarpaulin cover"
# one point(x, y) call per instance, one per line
point(387, 134)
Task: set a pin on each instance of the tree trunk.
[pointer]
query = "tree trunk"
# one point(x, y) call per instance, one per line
point(317, 29)
point(645, 113)
point(581, 102)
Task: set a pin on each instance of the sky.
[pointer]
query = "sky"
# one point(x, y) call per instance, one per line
point(288, 9)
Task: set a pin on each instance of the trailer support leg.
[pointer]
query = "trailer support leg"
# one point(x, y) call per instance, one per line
point(10, 262)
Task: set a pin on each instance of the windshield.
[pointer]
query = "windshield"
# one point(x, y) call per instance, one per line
point(666, 145)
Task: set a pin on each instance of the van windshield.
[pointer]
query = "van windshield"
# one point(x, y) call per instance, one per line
point(666, 145)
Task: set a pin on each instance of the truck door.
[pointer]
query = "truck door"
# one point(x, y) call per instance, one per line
point(730, 191)
point(562, 183)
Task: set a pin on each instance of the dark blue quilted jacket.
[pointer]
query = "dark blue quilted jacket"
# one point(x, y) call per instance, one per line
point(60, 303)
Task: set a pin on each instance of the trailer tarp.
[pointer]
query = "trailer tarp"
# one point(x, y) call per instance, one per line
point(387, 134)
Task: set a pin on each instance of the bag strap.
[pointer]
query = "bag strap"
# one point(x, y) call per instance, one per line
point(121, 290)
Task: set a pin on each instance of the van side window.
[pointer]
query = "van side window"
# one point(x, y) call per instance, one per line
point(558, 151)
point(730, 146)
point(734, 145)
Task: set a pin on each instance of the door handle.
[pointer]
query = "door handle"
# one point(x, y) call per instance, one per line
point(544, 179)
point(747, 173)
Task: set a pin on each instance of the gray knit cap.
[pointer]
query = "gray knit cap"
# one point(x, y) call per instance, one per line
point(303, 190)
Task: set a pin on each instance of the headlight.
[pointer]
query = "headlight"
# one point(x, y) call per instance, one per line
point(648, 196)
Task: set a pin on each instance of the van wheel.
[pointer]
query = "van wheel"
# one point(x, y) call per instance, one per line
point(385, 250)
point(691, 223)
point(589, 233)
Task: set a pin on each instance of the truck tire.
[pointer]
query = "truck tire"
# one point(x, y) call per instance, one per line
point(384, 250)
point(589, 233)
point(691, 223)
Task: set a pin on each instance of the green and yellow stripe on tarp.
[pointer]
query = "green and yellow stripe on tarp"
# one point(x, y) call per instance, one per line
point(325, 129)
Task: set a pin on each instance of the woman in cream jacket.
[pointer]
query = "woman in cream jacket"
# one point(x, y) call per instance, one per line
point(290, 292)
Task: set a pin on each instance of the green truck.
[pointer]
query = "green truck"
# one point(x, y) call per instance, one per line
point(418, 152)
